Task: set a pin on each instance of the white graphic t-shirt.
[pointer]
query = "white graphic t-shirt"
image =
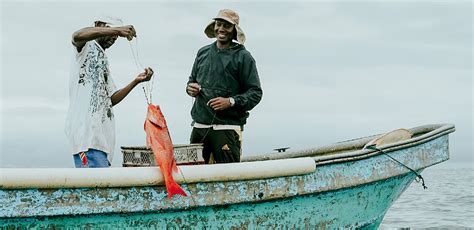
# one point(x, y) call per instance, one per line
point(90, 120)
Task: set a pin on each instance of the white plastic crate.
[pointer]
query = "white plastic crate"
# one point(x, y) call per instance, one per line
point(141, 156)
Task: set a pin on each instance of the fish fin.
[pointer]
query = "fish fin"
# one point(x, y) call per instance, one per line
point(157, 122)
point(155, 116)
point(173, 188)
point(148, 139)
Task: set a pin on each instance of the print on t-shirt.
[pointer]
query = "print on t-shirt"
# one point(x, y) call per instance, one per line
point(95, 71)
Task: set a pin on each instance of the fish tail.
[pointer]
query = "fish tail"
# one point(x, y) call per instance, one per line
point(173, 188)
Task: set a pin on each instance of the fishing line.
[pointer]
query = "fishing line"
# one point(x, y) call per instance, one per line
point(147, 90)
point(193, 100)
point(208, 129)
point(138, 63)
point(148, 86)
point(190, 194)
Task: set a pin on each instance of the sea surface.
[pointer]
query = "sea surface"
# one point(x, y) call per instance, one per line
point(448, 203)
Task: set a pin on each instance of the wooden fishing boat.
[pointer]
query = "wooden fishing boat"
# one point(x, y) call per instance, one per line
point(338, 186)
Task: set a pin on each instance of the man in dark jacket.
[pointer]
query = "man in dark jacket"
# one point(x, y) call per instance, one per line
point(225, 84)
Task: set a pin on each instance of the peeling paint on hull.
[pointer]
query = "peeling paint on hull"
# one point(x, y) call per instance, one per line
point(362, 206)
point(351, 194)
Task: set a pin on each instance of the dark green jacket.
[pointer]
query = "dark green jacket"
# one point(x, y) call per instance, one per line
point(229, 72)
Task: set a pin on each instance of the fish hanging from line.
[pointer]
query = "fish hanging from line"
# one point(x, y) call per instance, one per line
point(158, 138)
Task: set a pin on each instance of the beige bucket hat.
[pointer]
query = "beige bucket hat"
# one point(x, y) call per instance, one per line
point(231, 17)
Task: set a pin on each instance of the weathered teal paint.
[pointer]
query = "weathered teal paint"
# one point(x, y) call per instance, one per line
point(348, 194)
point(358, 207)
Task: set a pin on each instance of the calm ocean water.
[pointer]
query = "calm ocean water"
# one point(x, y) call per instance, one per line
point(448, 203)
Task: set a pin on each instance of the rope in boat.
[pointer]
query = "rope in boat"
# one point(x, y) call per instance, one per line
point(418, 176)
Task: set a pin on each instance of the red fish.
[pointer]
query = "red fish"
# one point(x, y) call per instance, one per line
point(158, 137)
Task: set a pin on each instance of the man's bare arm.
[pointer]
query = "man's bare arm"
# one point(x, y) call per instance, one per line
point(82, 36)
point(120, 94)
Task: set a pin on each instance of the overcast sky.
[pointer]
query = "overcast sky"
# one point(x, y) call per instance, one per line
point(330, 71)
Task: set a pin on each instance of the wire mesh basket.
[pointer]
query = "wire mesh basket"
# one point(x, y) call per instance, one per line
point(141, 156)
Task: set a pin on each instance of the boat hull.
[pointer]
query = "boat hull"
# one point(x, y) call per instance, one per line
point(357, 207)
point(340, 194)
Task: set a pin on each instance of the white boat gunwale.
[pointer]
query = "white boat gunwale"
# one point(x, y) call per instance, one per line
point(351, 150)
point(422, 134)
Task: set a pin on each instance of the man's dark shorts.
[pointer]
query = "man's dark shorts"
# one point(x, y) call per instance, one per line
point(224, 145)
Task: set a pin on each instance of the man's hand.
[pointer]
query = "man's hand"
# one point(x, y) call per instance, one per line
point(120, 94)
point(126, 32)
point(219, 103)
point(193, 89)
point(145, 76)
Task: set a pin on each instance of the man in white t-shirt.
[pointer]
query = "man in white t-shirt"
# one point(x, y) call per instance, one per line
point(90, 124)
